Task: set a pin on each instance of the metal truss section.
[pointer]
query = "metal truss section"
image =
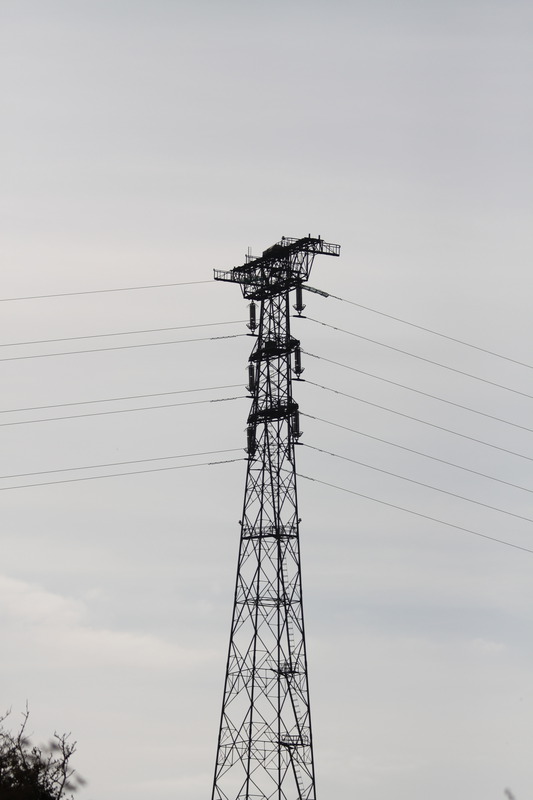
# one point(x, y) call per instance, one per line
point(281, 267)
point(265, 745)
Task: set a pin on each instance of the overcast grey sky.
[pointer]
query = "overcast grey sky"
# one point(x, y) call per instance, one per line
point(150, 142)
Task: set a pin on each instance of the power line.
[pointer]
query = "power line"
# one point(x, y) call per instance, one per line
point(422, 422)
point(417, 391)
point(116, 399)
point(102, 291)
point(421, 358)
point(417, 452)
point(117, 464)
point(120, 474)
point(122, 333)
point(416, 513)
point(420, 483)
point(124, 347)
point(118, 411)
point(420, 327)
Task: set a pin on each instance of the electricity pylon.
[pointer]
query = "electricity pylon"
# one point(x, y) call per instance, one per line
point(265, 744)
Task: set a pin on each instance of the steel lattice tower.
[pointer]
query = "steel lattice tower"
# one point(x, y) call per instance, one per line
point(265, 745)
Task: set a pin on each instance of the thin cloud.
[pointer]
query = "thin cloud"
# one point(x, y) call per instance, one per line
point(58, 629)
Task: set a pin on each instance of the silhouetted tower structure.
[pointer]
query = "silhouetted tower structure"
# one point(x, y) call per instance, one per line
point(265, 744)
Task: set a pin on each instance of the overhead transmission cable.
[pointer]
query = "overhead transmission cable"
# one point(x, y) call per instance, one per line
point(419, 483)
point(117, 399)
point(120, 474)
point(307, 288)
point(417, 391)
point(416, 513)
point(421, 421)
point(421, 358)
point(102, 291)
point(124, 347)
point(120, 411)
point(417, 452)
point(420, 327)
point(117, 464)
point(121, 333)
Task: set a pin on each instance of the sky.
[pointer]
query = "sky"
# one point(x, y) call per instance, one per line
point(147, 143)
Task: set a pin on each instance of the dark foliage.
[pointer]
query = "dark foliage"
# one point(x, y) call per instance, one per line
point(28, 772)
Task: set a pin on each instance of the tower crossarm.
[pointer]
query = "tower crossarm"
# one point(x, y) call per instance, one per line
point(280, 268)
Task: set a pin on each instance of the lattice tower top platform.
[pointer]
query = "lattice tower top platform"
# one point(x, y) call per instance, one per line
point(280, 268)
